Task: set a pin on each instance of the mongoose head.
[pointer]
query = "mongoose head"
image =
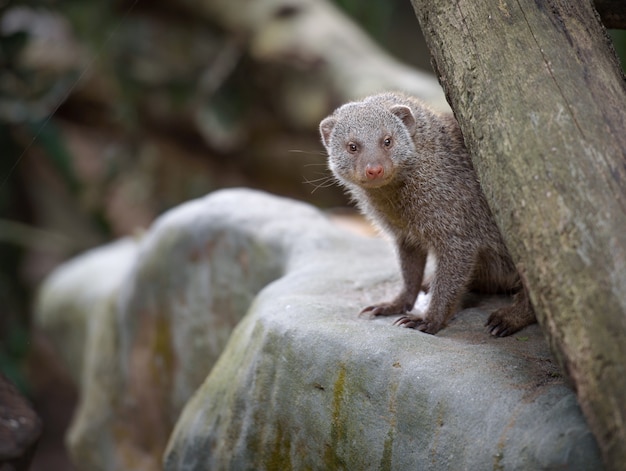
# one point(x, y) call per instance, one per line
point(368, 144)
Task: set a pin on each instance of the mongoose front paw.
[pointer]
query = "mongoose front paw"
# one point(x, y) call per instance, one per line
point(498, 327)
point(503, 322)
point(417, 323)
point(386, 309)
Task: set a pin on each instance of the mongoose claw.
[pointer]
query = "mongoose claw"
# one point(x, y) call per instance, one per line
point(508, 320)
point(499, 330)
point(417, 323)
point(383, 309)
point(409, 322)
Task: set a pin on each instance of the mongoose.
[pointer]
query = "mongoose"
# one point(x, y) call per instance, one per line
point(408, 170)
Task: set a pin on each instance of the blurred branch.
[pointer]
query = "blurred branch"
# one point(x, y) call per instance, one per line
point(313, 35)
point(222, 67)
point(26, 236)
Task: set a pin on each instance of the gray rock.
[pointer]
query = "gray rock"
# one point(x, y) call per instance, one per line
point(301, 382)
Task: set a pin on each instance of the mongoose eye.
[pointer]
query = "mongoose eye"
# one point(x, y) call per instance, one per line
point(352, 147)
point(387, 142)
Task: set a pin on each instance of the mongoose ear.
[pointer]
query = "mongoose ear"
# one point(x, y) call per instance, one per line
point(406, 116)
point(326, 128)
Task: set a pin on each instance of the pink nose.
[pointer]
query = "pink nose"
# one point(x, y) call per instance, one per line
point(374, 172)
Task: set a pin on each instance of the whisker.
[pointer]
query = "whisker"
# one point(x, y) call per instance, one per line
point(320, 179)
point(310, 152)
point(316, 164)
point(322, 182)
point(326, 180)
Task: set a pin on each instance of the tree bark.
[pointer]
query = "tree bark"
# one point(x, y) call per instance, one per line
point(541, 100)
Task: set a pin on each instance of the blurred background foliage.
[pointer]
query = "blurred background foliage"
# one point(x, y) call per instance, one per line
point(112, 112)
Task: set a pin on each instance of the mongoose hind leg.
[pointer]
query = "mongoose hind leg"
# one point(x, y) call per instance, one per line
point(508, 320)
point(496, 273)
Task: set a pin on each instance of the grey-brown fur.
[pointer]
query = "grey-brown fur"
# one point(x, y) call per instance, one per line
point(409, 171)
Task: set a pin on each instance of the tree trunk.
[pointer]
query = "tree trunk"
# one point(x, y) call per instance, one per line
point(541, 99)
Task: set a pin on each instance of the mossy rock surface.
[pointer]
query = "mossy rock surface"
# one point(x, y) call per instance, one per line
point(230, 340)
